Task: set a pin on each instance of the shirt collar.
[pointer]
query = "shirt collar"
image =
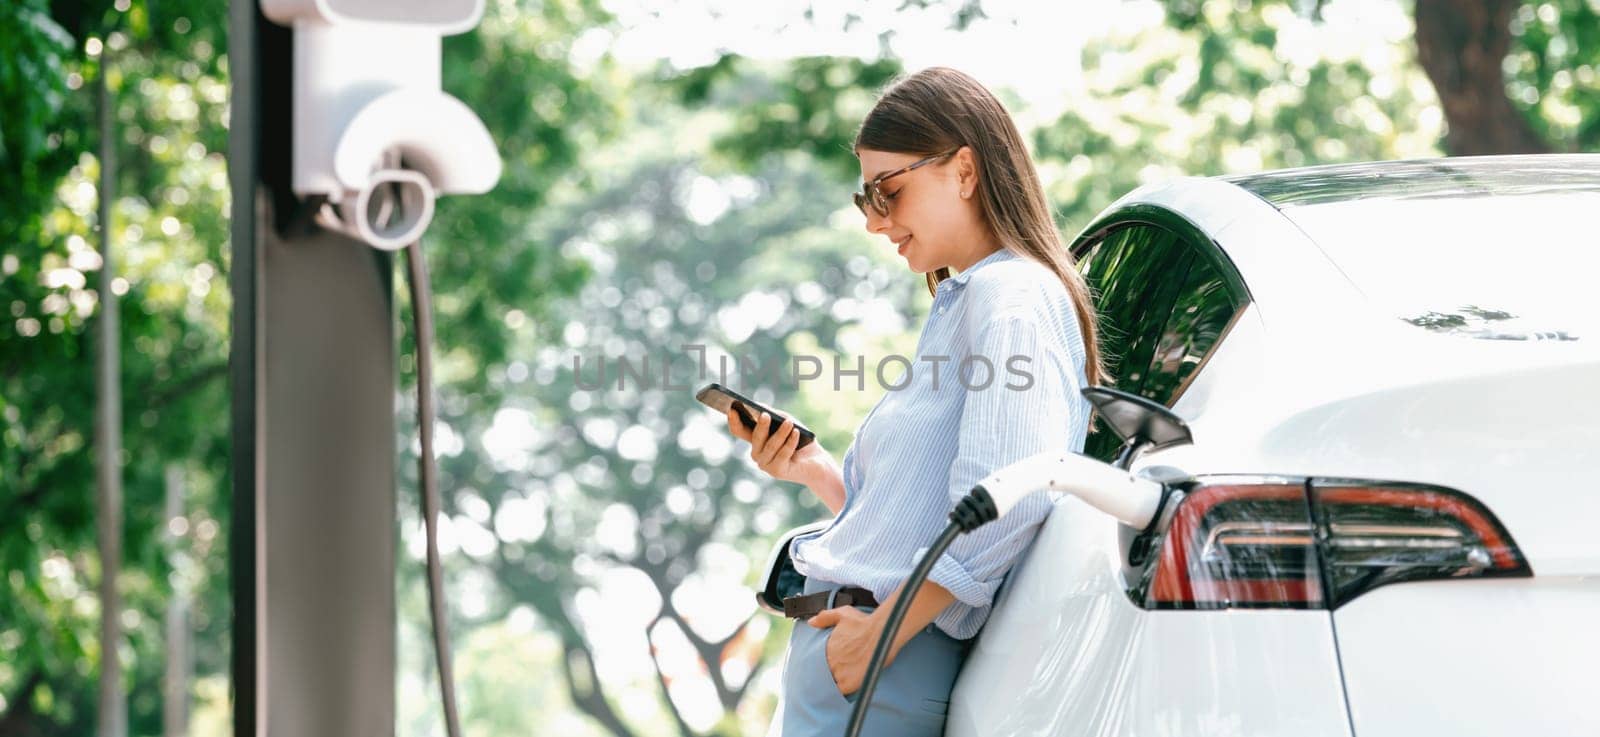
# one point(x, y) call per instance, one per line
point(960, 280)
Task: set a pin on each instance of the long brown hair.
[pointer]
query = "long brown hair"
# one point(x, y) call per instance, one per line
point(938, 109)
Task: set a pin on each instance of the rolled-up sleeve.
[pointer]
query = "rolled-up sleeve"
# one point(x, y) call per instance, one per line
point(1013, 417)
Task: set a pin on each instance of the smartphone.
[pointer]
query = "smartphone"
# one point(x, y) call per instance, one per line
point(720, 398)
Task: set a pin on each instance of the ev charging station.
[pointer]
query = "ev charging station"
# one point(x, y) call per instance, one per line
point(340, 139)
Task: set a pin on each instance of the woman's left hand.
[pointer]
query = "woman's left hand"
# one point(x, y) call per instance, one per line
point(855, 636)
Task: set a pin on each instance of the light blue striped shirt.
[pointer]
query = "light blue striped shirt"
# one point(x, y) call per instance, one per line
point(925, 445)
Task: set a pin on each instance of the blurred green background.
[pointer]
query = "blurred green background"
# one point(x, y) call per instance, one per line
point(676, 174)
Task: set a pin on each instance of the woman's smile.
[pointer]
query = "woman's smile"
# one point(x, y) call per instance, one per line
point(902, 245)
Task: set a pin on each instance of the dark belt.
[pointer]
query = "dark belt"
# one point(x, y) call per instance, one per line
point(806, 606)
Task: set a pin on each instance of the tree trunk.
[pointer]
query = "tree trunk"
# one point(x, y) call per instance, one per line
point(1461, 45)
point(108, 437)
point(175, 682)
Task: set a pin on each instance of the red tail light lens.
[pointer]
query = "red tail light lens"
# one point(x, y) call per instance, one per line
point(1240, 545)
point(1318, 544)
point(1373, 535)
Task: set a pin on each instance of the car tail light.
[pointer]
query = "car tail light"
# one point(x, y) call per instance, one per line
point(1315, 545)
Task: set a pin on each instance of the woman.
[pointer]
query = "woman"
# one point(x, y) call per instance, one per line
point(951, 185)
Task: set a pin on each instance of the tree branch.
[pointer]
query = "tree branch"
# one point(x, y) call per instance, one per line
point(591, 700)
point(661, 679)
point(175, 390)
point(710, 652)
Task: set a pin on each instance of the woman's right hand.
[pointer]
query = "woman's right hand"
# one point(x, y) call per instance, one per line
point(777, 452)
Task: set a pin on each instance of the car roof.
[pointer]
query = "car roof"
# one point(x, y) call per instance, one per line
point(1453, 177)
point(1272, 227)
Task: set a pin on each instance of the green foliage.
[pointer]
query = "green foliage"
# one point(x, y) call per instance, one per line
point(542, 113)
point(812, 105)
point(1219, 89)
point(1553, 70)
point(170, 224)
point(33, 81)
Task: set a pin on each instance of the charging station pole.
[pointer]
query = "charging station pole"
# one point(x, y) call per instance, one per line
point(312, 539)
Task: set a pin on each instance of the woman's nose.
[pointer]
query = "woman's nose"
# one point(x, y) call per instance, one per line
point(876, 223)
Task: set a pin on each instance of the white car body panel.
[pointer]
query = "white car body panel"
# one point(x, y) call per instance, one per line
point(1066, 653)
point(1470, 658)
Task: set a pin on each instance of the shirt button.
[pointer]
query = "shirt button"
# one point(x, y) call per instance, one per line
point(941, 309)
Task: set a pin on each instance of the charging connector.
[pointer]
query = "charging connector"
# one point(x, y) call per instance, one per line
point(1131, 500)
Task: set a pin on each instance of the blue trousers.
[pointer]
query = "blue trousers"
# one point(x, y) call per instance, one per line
point(912, 697)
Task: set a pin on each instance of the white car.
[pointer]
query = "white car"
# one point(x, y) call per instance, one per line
point(1391, 519)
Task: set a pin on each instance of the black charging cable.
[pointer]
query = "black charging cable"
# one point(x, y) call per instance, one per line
point(422, 324)
point(387, 205)
point(975, 510)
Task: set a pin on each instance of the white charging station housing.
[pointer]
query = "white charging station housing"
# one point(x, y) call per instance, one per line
point(373, 132)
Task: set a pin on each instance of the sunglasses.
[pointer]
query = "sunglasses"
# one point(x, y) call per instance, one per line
point(871, 195)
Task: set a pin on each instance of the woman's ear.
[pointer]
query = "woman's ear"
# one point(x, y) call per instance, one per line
point(967, 172)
